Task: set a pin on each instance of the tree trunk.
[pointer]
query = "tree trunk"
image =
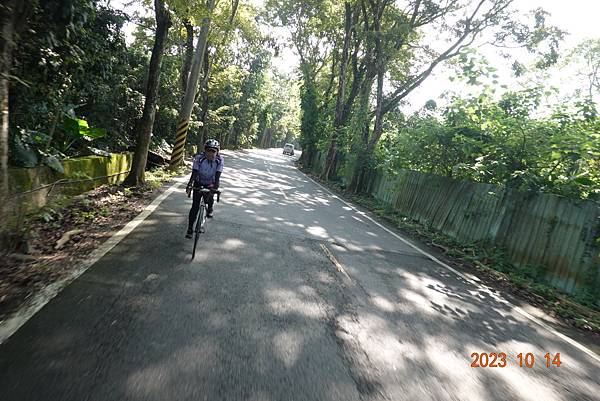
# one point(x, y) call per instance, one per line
point(236, 139)
point(4, 141)
point(4, 132)
point(205, 102)
point(191, 89)
point(12, 16)
point(263, 138)
point(187, 61)
point(206, 77)
point(375, 69)
point(361, 144)
point(229, 134)
point(339, 104)
point(144, 127)
point(380, 70)
point(361, 161)
point(267, 144)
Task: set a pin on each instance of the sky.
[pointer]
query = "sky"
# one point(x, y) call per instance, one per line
point(580, 18)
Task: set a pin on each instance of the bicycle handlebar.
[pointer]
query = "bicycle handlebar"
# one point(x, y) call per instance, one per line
point(205, 190)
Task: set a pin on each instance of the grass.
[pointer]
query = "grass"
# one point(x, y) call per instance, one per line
point(156, 177)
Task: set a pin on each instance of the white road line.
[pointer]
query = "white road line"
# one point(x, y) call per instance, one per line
point(520, 311)
point(9, 326)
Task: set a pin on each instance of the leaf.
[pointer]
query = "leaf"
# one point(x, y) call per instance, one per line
point(583, 181)
point(33, 137)
point(71, 126)
point(96, 133)
point(76, 126)
point(83, 125)
point(23, 155)
point(54, 164)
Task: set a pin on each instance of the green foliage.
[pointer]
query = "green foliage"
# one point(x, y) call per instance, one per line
point(76, 60)
point(76, 81)
point(32, 147)
point(309, 125)
point(503, 140)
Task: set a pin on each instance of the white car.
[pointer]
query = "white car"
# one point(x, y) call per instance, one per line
point(288, 149)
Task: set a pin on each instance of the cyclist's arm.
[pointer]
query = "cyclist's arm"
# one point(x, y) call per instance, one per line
point(217, 177)
point(218, 173)
point(192, 178)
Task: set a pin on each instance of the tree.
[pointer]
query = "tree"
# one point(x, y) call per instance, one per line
point(395, 32)
point(192, 87)
point(501, 140)
point(189, 54)
point(314, 35)
point(587, 56)
point(144, 129)
point(12, 15)
point(74, 64)
point(224, 32)
point(278, 121)
point(309, 125)
point(340, 115)
point(246, 123)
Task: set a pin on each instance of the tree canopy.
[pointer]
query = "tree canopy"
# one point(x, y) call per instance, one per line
point(78, 86)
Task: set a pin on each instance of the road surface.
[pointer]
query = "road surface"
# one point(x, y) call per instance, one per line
point(293, 296)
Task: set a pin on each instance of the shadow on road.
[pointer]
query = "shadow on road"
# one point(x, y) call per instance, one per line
point(261, 314)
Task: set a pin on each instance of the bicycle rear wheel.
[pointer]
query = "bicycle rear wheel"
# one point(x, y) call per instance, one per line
point(198, 228)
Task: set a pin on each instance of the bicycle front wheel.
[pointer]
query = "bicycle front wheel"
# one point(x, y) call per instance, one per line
point(198, 229)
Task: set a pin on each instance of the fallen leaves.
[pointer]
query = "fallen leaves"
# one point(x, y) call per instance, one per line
point(60, 238)
point(66, 237)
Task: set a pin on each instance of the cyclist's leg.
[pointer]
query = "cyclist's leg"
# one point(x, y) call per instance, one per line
point(194, 210)
point(210, 201)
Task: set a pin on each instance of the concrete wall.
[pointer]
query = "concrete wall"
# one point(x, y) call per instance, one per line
point(31, 188)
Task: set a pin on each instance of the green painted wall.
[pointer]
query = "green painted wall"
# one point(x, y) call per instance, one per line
point(22, 180)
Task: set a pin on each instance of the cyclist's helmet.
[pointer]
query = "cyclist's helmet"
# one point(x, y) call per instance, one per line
point(211, 144)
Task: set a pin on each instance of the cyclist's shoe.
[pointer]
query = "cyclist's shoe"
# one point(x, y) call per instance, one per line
point(209, 214)
point(189, 233)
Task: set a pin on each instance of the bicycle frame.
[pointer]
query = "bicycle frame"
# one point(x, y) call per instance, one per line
point(201, 219)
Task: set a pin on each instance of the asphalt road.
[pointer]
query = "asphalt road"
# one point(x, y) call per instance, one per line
point(292, 296)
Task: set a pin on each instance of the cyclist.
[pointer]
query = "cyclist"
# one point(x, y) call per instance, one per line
point(206, 172)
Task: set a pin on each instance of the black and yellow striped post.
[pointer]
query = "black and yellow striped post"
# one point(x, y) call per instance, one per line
point(179, 147)
point(190, 90)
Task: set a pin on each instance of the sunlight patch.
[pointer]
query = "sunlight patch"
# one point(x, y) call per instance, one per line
point(286, 302)
point(455, 370)
point(288, 345)
point(233, 243)
point(317, 231)
point(383, 303)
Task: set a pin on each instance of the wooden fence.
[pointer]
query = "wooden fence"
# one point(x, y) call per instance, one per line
point(555, 234)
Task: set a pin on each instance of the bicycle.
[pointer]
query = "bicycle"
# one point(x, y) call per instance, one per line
point(201, 219)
